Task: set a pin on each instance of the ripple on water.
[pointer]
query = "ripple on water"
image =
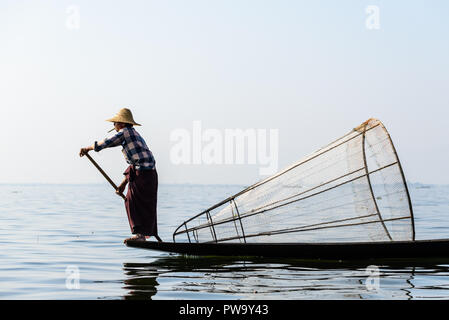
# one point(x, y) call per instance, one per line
point(48, 228)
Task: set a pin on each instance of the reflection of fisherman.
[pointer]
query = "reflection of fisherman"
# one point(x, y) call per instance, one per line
point(141, 198)
point(140, 283)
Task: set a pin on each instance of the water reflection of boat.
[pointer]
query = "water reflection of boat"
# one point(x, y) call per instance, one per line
point(140, 281)
point(220, 277)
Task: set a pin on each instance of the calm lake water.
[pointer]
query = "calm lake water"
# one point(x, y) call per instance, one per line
point(51, 234)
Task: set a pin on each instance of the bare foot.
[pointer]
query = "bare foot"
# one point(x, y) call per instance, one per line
point(157, 238)
point(137, 237)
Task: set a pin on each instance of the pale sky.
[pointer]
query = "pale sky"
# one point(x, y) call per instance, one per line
point(310, 69)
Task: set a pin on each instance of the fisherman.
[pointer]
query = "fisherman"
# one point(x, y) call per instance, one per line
point(141, 175)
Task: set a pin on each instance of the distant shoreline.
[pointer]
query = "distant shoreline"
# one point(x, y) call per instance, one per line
point(103, 184)
point(414, 184)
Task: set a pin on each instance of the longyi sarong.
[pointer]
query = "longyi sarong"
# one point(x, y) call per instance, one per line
point(141, 200)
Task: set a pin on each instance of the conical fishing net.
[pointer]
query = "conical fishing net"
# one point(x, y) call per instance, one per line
point(352, 190)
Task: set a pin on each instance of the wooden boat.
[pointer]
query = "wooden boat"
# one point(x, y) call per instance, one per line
point(324, 251)
point(348, 200)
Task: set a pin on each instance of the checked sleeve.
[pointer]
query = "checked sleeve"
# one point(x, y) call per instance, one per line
point(113, 141)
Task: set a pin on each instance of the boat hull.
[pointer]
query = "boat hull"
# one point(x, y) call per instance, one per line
point(334, 251)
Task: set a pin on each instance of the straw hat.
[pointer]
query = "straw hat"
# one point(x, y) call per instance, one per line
point(124, 116)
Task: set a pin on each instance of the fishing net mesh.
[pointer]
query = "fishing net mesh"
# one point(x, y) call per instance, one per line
point(352, 190)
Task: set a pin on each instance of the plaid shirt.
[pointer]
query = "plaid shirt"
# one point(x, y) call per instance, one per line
point(134, 149)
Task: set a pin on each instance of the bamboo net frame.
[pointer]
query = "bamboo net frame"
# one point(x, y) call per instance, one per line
point(352, 190)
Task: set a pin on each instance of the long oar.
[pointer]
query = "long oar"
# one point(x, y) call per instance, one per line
point(104, 174)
